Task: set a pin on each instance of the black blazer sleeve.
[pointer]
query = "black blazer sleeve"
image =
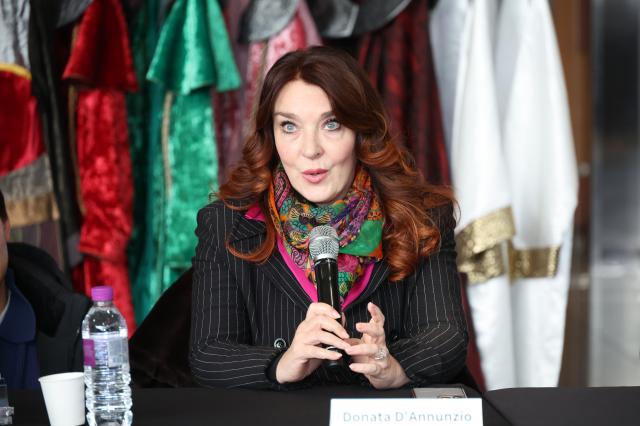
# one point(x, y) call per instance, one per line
point(221, 352)
point(433, 345)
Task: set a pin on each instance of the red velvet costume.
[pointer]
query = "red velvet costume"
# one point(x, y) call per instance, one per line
point(101, 64)
point(20, 138)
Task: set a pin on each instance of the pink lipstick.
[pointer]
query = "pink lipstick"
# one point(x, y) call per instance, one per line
point(315, 175)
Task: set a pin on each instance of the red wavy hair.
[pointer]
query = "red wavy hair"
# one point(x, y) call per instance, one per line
point(407, 200)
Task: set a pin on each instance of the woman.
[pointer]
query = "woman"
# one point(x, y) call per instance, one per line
point(320, 152)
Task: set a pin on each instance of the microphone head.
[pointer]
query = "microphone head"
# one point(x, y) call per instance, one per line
point(323, 243)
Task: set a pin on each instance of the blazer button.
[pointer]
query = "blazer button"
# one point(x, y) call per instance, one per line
point(279, 343)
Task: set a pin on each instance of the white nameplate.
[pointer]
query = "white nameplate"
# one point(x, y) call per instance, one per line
point(406, 412)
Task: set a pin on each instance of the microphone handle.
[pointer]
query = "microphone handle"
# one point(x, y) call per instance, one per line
point(326, 271)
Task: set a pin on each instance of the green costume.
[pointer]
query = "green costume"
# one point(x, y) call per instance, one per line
point(192, 57)
point(145, 119)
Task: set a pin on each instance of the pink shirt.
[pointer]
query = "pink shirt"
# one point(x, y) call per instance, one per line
point(254, 213)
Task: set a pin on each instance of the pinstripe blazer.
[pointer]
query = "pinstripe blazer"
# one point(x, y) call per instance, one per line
point(245, 314)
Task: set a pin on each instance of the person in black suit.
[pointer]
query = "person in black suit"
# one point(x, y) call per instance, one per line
point(320, 152)
point(18, 353)
point(40, 314)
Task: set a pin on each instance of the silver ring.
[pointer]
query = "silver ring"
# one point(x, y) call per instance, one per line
point(381, 354)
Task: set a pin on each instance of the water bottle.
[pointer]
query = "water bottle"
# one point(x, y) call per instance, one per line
point(5, 411)
point(106, 362)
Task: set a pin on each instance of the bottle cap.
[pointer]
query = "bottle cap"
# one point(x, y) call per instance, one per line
point(103, 293)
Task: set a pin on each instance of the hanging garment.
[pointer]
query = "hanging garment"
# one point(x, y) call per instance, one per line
point(375, 14)
point(101, 63)
point(334, 18)
point(298, 34)
point(446, 28)
point(25, 174)
point(479, 180)
point(398, 61)
point(70, 10)
point(14, 36)
point(145, 121)
point(193, 56)
point(263, 19)
point(45, 86)
point(543, 180)
point(28, 194)
point(20, 138)
point(229, 105)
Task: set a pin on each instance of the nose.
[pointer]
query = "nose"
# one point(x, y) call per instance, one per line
point(311, 146)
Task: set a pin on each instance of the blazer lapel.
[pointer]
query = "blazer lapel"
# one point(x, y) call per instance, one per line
point(274, 267)
point(379, 275)
point(281, 276)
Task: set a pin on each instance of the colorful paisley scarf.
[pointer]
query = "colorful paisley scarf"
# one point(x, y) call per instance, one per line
point(357, 219)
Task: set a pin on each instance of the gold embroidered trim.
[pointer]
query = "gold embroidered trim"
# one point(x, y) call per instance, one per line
point(34, 210)
point(479, 245)
point(16, 69)
point(484, 266)
point(484, 233)
point(533, 263)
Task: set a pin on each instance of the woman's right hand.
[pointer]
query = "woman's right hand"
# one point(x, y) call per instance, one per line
point(305, 353)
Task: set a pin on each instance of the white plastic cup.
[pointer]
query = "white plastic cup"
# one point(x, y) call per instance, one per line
point(64, 398)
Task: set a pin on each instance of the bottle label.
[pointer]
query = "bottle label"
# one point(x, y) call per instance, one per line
point(89, 352)
point(105, 351)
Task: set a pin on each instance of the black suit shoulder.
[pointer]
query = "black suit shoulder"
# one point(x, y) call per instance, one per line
point(220, 226)
point(216, 221)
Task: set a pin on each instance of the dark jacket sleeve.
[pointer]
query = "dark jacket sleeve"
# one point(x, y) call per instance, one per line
point(433, 347)
point(221, 352)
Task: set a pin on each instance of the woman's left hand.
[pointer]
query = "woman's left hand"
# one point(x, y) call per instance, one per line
point(370, 355)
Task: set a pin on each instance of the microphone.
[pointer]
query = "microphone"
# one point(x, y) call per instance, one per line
point(323, 248)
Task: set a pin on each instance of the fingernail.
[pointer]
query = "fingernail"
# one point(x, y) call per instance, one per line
point(336, 315)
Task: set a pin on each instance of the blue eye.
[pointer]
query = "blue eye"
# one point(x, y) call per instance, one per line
point(288, 127)
point(331, 124)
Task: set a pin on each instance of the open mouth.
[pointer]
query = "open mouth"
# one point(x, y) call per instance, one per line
point(315, 176)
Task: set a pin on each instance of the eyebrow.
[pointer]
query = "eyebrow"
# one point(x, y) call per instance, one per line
point(295, 117)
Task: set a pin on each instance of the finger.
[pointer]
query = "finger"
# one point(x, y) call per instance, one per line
point(365, 349)
point(344, 320)
point(356, 358)
point(316, 309)
point(311, 352)
point(325, 338)
point(328, 324)
point(376, 313)
point(370, 369)
point(353, 341)
point(374, 329)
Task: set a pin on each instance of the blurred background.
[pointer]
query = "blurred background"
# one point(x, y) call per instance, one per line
point(599, 44)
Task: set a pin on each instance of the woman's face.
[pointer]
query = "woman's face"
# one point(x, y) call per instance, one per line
point(317, 152)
